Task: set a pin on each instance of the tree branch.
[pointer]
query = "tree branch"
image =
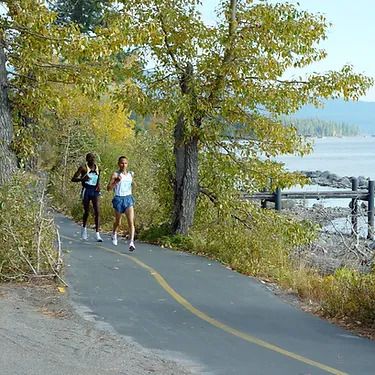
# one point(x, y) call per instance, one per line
point(211, 196)
point(23, 29)
point(285, 82)
point(156, 81)
point(228, 53)
point(35, 80)
point(22, 76)
point(229, 153)
point(167, 44)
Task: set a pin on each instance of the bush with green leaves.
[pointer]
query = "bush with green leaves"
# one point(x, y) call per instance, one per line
point(149, 159)
point(349, 294)
point(258, 243)
point(27, 230)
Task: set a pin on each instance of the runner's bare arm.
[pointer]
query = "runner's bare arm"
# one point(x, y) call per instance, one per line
point(98, 183)
point(78, 176)
point(113, 181)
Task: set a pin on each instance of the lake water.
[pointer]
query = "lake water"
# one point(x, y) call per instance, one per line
point(347, 156)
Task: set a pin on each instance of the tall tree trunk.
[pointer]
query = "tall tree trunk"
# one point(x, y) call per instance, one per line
point(31, 161)
point(8, 161)
point(186, 183)
point(186, 148)
point(186, 158)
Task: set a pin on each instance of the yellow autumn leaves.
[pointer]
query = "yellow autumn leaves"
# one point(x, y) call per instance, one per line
point(109, 123)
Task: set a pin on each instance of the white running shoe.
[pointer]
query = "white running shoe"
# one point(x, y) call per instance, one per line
point(114, 239)
point(98, 238)
point(84, 233)
point(131, 246)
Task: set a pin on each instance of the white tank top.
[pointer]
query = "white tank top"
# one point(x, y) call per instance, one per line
point(124, 187)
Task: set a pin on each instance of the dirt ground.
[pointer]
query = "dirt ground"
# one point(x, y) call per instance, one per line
point(41, 334)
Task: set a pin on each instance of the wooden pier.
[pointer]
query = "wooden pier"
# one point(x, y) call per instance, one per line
point(354, 195)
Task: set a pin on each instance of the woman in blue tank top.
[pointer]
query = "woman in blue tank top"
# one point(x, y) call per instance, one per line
point(89, 175)
point(121, 183)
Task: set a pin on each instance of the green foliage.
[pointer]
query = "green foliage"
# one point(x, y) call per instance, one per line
point(150, 158)
point(349, 294)
point(42, 54)
point(156, 233)
point(27, 236)
point(163, 236)
point(227, 78)
point(88, 14)
point(177, 241)
point(250, 240)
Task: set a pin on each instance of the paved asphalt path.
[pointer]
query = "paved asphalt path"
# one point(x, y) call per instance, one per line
point(193, 309)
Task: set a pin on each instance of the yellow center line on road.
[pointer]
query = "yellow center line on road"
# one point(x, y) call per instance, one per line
point(188, 306)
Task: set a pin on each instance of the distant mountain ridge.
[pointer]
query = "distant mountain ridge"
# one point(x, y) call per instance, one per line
point(359, 113)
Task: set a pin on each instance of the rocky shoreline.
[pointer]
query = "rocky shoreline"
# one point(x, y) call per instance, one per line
point(334, 249)
point(326, 178)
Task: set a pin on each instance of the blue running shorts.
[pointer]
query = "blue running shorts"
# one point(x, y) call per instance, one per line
point(90, 193)
point(121, 203)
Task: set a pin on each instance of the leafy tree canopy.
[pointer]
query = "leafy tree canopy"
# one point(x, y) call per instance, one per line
point(202, 79)
point(205, 78)
point(40, 54)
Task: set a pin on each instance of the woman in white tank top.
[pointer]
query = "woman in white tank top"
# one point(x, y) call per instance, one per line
point(121, 183)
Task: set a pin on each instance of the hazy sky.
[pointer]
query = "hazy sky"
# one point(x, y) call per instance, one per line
point(351, 38)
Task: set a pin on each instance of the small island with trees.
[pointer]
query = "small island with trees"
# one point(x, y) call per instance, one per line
point(315, 127)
